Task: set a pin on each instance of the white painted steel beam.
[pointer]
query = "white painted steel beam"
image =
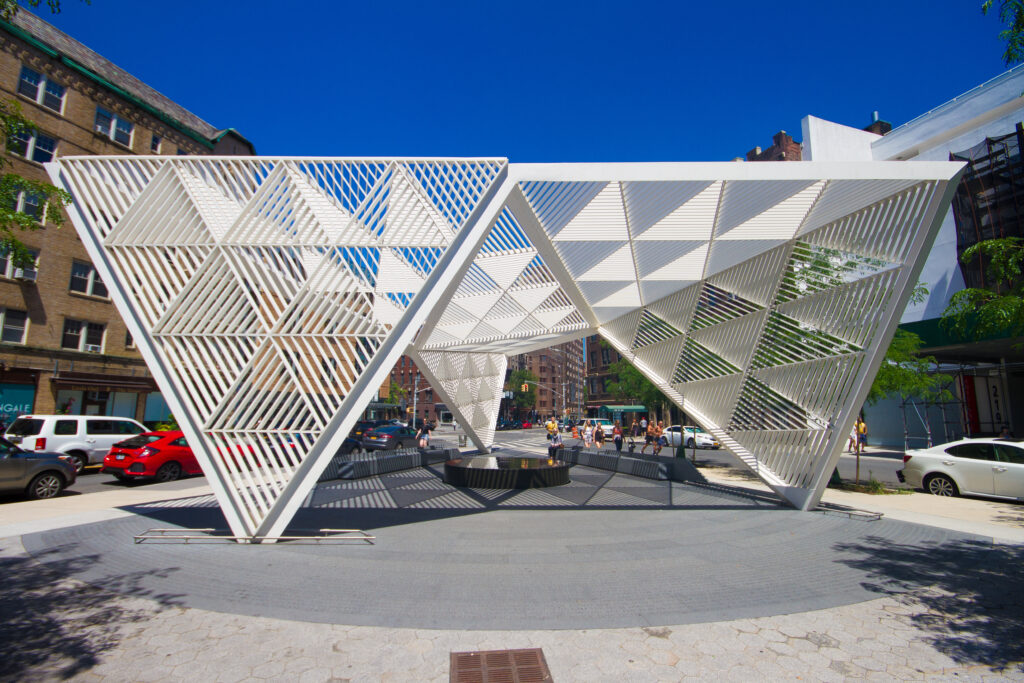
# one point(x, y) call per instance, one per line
point(271, 296)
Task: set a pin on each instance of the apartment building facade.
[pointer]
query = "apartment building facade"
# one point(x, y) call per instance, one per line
point(63, 345)
point(560, 372)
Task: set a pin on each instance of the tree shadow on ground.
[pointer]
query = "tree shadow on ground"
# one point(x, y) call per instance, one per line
point(54, 627)
point(968, 594)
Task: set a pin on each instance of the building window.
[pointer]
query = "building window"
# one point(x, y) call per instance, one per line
point(114, 127)
point(83, 336)
point(7, 268)
point(86, 280)
point(29, 204)
point(182, 152)
point(154, 144)
point(35, 146)
point(13, 327)
point(605, 357)
point(41, 90)
point(129, 343)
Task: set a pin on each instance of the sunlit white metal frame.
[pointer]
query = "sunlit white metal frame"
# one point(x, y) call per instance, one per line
point(271, 296)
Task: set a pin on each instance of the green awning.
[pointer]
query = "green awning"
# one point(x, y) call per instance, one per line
point(625, 409)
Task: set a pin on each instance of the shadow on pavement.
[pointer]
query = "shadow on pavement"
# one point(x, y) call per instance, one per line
point(364, 509)
point(971, 592)
point(54, 628)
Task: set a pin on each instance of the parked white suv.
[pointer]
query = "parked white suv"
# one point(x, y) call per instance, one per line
point(86, 438)
point(981, 467)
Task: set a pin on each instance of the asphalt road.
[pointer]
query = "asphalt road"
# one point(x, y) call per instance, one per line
point(881, 468)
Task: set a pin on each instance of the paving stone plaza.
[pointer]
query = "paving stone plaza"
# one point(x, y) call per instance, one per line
point(615, 578)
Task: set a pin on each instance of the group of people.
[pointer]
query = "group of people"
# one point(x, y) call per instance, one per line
point(858, 437)
point(593, 434)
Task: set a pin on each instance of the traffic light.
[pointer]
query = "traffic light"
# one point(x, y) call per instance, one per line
point(525, 387)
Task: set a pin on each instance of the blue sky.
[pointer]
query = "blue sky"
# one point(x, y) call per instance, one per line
point(540, 81)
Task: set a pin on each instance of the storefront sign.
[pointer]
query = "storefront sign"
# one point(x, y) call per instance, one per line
point(15, 400)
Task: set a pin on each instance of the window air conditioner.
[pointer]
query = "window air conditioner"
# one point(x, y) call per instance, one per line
point(26, 275)
point(94, 348)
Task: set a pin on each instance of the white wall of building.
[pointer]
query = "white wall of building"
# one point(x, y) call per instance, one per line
point(827, 141)
point(989, 110)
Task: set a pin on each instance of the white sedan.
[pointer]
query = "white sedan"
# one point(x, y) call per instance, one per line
point(979, 467)
point(694, 436)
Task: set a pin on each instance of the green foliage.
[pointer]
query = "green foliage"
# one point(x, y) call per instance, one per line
point(1011, 13)
point(396, 393)
point(12, 186)
point(168, 425)
point(975, 313)
point(906, 373)
point(8, 8)
point(631, 385)
point(523, 399)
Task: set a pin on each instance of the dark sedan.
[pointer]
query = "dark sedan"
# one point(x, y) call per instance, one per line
point(389, 437)
point(37, 474)
point(364, 426)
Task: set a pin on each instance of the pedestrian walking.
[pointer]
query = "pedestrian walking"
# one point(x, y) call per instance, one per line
point(643, 425)
point(648, 435)
point(862, 435)
point(617, 436)
point(659, 437)
point(851, 443)
point(599, 435)
point(588, 434)
point(551, 426)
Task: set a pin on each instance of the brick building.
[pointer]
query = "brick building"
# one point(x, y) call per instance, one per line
point(784, 148)
point(405, 374)
point(599, 375)
point(560, 373)
point(63, 346)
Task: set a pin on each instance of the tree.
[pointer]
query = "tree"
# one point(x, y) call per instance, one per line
point(999, 308)
point(1011, 13)
point(906, 373)
point(632, 385)
point(396, 393)
point(42, 200)
point(523, 400)
point(8, 8)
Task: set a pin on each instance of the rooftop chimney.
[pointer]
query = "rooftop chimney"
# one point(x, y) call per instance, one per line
point(878, 126)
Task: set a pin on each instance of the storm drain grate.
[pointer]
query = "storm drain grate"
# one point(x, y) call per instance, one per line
point(500, 666)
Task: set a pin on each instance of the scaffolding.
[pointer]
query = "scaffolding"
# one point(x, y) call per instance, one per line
point(989, 201)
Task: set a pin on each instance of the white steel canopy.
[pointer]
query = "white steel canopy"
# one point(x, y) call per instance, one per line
point(271, 296)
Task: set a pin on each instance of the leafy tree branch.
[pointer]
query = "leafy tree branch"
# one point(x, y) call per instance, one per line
point(976, 313)
point(1011, 13)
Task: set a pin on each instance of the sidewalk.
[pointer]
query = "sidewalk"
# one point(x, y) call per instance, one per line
point(1001, 521)
point(57, 627)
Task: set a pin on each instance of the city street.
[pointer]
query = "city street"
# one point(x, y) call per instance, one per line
point(881, 466)
point(877, 463)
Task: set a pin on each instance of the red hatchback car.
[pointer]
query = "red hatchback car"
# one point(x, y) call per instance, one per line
point(163, 456)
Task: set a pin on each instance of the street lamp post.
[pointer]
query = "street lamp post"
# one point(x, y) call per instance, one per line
point(415, 395)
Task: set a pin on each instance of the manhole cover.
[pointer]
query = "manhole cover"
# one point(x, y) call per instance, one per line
point(500, 666)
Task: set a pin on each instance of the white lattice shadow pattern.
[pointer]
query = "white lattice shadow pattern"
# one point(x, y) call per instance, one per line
point(271, 296)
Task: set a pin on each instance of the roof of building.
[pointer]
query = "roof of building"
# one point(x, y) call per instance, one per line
point(77, 56)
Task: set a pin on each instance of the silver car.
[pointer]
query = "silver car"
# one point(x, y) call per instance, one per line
point(977, 467)
point(37, 474)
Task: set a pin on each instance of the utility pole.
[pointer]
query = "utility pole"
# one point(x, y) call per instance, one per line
point(415, 396)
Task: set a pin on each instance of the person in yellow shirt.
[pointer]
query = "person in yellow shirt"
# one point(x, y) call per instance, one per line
point(552, 427)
